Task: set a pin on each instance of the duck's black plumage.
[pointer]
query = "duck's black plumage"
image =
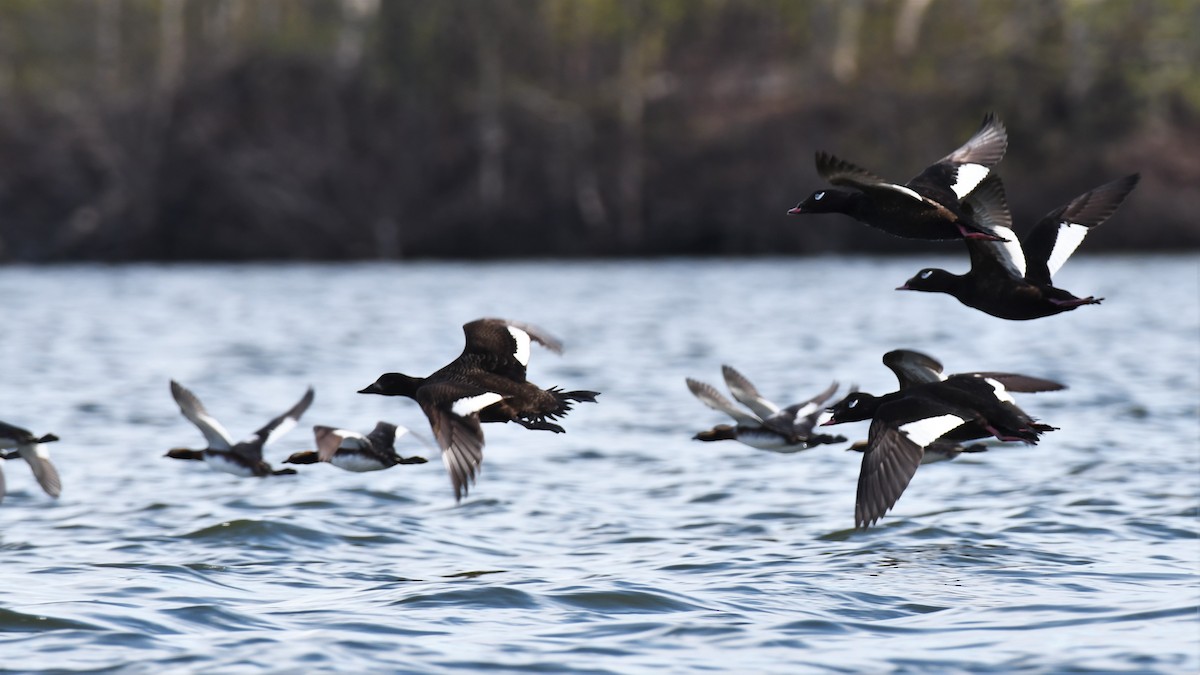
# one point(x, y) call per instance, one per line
point(927, 207)
point(1012, 280)
point(244, 458)
point(23, 444)
point(486, 383)
point(930, 411)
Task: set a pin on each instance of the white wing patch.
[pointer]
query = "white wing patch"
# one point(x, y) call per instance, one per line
point(1070, 236)
point(1001, 392)
point(968, 177)
point(285, 426)
point(473, 404)
point(1009, 253)
point(904, 190)
point(522, 340)
point(923, 432)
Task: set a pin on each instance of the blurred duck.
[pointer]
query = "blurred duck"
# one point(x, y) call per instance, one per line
point(762, 424)
point(352, 451)
point(244, 458)
point(24, 445)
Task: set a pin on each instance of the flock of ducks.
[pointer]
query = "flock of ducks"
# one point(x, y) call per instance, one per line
point(927, 419)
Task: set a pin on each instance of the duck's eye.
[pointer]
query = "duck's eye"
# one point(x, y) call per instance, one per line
point(818, 196)
point(853, 403)
point(926, 274)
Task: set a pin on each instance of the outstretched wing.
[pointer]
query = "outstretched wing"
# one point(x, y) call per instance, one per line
point(747, 394)
point(803, 415)
point(502, 347)
point(38, 458)
point(840, 172)
point(988, 207)
point(329, 440)
point(891, 459)
point(963, 170)
point(1060, 232)
point(216, 435)
point(252, 447)
point(455, 424)
point(913, 368)
point(1022, 383)
point(712, 398)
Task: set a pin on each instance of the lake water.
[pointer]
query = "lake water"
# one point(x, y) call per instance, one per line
point(621, 546)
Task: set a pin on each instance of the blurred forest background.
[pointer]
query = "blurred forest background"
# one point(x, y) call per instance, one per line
point(359, 129)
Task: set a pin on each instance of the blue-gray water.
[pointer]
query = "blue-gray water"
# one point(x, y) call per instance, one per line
point(621, 546)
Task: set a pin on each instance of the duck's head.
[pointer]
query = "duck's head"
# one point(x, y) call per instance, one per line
point(824, 201)
point(721, 432)
point(393, 384)
point(306, 457)
point(185, 453)
point(930, 280)
point(856, 407)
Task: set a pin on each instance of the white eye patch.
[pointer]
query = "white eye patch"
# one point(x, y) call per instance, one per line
point(926, 274)
point(853, 403)
point(818, 196)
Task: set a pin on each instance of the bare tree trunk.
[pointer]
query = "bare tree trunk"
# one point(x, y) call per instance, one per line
point(170, 45)
point(108, 45)
point(845, 49)
point(490, 120)
point(632, 111)
point(352, 34)
point(908, 25)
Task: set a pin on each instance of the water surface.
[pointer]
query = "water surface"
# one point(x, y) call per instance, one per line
point(622, 545)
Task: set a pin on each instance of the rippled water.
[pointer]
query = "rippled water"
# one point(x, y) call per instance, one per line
point(621, 546)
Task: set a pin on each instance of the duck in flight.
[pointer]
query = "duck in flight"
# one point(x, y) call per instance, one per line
point(761, 423)
point(1012, 280)
point(244, 458)
point(485, 383)
point(928, 206)
point(927, 412)
point(353, 451)
point(22, 444)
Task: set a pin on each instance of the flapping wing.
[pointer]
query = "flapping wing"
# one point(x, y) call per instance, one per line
point(804, 415)
point(38, 458)
point(252, 446)
point(329, 440)
point(712, 398)
point(1056, 236)
point(964, 169)
point(1022, 383)
point(216, 435)
point(747, 394)
point(894, 451)
point(385, 435)
point(455, 424)
point(840, 172)
point(502, 347)
point(988, 207)
point(913, 368)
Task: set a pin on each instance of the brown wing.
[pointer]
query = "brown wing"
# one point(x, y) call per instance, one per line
point(453, 412)
point(888, 464)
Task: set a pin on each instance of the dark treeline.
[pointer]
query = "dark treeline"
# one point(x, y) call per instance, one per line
point(341, 129)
